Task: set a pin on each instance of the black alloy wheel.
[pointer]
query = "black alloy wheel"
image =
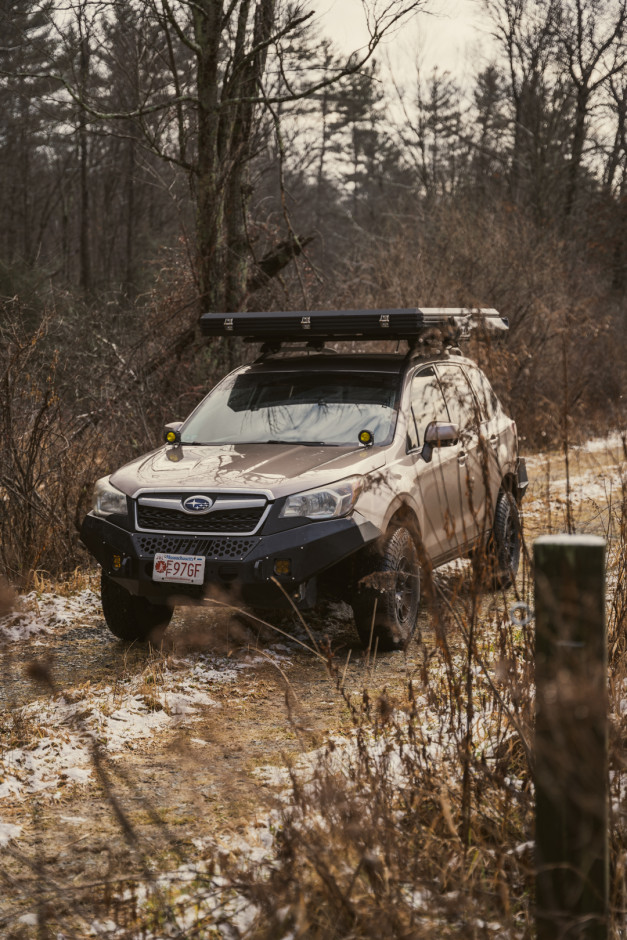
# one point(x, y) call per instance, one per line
point(385, 602)
point(497, 564)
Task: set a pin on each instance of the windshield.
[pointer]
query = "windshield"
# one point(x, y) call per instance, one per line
point(296, 408)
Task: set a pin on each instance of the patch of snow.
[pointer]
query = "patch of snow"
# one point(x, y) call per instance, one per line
point(522, 848)
point(270, 655)
point(43, 613)
point(596, 487)
point(9, 832)
point(603, 444)
point(114, 720)
point(108, 928)
point(457, 566)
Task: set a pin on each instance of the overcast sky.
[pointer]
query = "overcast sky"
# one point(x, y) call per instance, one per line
point(451, 33)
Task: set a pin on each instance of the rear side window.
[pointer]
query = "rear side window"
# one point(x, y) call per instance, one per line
point(488, 401)
point(427, 405)
point(460, 399)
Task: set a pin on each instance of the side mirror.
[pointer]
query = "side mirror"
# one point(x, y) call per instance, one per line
point(439, 434)
point(171, 432)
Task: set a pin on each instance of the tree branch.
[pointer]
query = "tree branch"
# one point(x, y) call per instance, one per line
point(275, 260)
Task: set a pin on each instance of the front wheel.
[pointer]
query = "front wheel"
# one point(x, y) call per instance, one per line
point(132, 618)
point(385, 604)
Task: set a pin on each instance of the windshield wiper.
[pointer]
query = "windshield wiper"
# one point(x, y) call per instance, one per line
point(298, 443)
point(239, 443)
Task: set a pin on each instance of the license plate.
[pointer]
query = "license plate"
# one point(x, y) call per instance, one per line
point(179, 569)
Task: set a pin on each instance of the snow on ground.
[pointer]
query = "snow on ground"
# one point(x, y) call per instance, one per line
point(62, 733)
point(40, 612)
point(8, 832)
point(595, 487)
point(612, 442)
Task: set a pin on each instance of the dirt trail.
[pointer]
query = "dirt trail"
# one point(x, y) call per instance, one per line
point(205, 776)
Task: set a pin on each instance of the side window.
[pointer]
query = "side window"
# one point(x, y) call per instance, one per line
point(462, 404)
point(427, 404)
point(488, 401)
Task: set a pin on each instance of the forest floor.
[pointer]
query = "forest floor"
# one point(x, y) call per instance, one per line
point(116, 760)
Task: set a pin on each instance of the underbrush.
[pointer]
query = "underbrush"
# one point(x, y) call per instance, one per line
point(77, 400)
point(418, 823)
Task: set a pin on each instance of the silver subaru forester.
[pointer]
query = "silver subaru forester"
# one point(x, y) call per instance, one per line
point(313, 473)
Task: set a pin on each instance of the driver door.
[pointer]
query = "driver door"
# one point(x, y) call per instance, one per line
point(472, 470)
point(437, 493)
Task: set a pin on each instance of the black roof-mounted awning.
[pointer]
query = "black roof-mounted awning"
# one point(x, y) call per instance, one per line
point(338, 325)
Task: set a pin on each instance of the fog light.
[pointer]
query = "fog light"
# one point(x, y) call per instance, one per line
point(117, 562)
point(282, 566)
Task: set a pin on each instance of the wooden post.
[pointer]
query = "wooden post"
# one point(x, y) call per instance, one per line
point(571, 771)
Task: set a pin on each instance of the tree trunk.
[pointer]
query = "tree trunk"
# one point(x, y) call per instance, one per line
point(224, 147)
point(208, 182)
point(85, 256)
point(576, 153)
point(129, 276)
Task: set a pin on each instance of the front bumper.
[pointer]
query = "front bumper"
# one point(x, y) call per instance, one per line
point(243, 566)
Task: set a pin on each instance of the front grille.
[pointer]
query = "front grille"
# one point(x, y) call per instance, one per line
point(214, 549)
point(229, 520)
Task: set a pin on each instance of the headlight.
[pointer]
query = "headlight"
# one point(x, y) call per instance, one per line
point(108, 499)
point(328, 502)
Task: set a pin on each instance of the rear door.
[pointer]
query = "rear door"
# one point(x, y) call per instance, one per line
point(496, 430)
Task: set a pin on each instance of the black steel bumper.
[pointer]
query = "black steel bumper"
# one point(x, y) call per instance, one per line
point(243, 566)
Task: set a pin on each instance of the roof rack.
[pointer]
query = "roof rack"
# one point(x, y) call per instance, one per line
point(316, 327)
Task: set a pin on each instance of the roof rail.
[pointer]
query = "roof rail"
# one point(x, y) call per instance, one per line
point(319, 326)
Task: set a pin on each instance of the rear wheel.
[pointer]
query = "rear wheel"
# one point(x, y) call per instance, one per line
point(133, 618)
point(385, 604)
point(498, 563)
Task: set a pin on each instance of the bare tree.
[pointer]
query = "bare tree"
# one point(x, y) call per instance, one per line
point(525, 30)
point(591, 37)
point(224, 60)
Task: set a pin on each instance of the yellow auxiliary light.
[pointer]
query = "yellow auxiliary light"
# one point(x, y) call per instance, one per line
point(171, 433)
point(366, 438)
point(282, 566)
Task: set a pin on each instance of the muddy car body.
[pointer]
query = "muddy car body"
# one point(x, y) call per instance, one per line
point(310, 473)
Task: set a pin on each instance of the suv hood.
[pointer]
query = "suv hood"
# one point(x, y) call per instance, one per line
point(281, 469)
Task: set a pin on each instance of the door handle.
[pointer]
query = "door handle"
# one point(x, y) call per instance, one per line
point(461, 457)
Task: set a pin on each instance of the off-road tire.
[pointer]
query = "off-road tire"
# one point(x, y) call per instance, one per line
point(397, 602)
point(499, 563)
point(133, 618)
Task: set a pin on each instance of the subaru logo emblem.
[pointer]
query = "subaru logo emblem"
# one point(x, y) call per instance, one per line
point(200, 504)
